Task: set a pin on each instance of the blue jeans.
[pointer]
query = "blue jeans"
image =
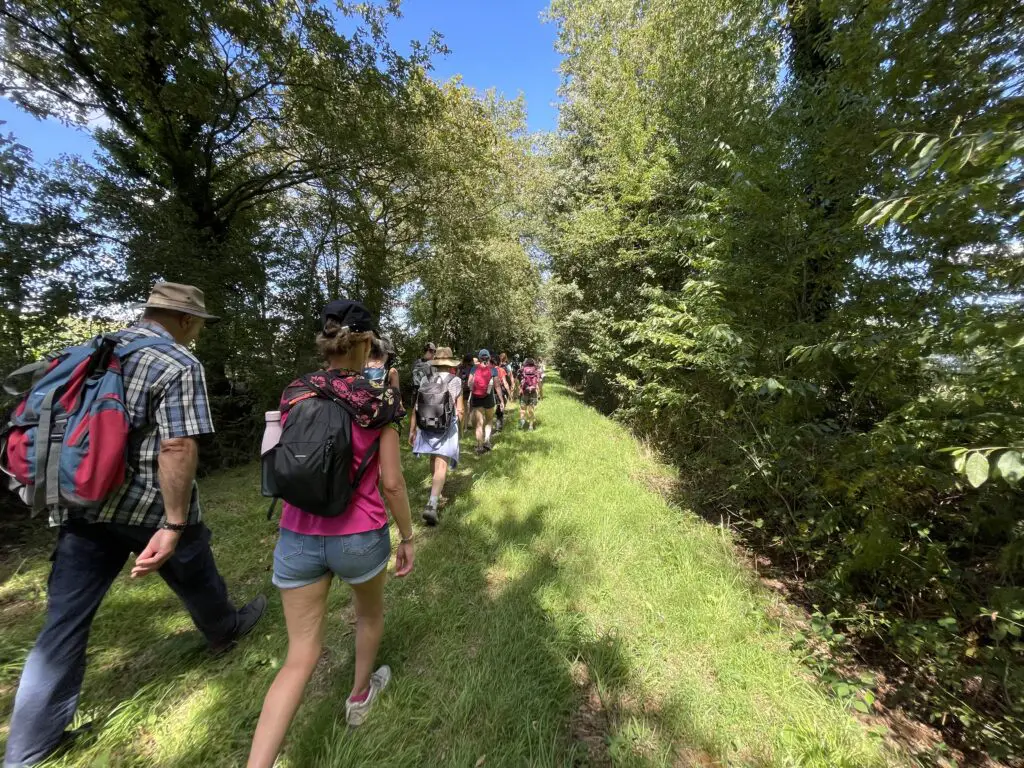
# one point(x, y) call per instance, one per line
point(87, 559)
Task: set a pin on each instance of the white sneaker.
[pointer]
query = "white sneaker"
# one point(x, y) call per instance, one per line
point(356, 712)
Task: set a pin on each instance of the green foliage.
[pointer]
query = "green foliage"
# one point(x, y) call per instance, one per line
point(787, 246)
point(254, 150)
point(42, 247)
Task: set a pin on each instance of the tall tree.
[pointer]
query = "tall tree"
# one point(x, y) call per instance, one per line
point(205, 103)
point(43, 247)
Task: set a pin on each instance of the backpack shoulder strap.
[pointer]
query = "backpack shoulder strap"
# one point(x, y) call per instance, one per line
point(32, 368)
point(365, 463)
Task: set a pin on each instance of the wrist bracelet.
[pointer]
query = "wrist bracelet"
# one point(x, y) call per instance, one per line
point(176, 527)
point(402, 539)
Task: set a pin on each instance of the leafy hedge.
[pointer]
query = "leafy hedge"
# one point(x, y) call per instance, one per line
point(787, 250)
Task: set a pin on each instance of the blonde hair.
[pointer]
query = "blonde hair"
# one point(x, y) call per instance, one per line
point(336, 340)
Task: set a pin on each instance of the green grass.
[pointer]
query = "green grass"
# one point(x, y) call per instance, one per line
point(563, 614)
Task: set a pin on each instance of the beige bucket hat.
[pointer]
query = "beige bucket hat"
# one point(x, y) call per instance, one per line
point(179, 298)
point(445, 358)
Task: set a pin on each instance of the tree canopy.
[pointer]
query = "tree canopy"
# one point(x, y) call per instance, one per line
point(257, 151)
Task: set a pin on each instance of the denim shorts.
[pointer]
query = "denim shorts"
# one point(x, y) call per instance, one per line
point(301, 559)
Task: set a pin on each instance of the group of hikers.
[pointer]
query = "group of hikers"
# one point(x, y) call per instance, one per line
point(446, 390)
point(105, 440)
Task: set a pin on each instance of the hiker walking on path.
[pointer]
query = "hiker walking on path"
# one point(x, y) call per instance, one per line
point(353, 542)
point(463, 372)
point(422, 367)
point(155, 513)
point(512, 368)
point(378, 368)
point(434, 427)
point(529, 394)
point(504, 390)
point(483, 380)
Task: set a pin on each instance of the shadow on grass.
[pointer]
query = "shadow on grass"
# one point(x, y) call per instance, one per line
point(491, 654)
point(494, 663)
point(142, 639)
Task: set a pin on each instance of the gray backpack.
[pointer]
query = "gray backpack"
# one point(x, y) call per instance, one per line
point(421, 371)
point(434, 406)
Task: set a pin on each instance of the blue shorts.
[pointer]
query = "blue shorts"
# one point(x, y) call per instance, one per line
point(301, 559)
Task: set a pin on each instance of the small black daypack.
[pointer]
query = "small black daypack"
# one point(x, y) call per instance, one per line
point(434, 407)
point(311, 466)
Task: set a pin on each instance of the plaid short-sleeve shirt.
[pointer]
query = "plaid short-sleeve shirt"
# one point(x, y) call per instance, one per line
point(165, 392)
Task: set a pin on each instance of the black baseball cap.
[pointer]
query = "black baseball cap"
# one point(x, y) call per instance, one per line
point(350, 314)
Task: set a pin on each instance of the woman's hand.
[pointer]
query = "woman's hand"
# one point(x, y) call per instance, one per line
point(412, 438)
point(404, 557)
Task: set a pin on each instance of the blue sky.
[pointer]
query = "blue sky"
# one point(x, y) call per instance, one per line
point(494, 43)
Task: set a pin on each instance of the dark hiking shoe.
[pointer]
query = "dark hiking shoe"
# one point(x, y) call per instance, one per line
point(431, 515)
point(69, 739)
point(488, 447)
point(479, 450)
point(248, 617)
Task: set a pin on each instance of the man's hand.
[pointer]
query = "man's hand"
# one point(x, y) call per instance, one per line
point(161, 546)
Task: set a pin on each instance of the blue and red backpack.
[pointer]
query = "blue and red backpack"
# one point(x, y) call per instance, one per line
point(66, 442)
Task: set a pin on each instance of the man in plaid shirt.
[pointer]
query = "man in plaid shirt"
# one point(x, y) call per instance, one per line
point(155, 513)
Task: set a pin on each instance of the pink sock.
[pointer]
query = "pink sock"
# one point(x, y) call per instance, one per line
point(360, 697)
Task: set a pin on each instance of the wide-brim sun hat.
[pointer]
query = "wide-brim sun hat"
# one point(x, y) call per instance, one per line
point(178, 297)
point(445, 358)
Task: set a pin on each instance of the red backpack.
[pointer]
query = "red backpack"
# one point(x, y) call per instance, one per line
point(482, 380)
point(531, 378)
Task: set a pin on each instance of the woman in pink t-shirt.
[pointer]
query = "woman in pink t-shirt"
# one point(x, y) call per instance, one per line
point(354, 546)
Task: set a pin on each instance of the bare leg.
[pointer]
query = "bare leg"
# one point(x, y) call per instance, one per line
point(369, 600)
point(488, 425)
point(440, 475)
point(304, 609)
point(478, 424)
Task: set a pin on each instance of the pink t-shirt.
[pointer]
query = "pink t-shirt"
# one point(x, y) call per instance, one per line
point(366, 510)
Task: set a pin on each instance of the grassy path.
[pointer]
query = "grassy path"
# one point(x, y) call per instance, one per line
point(562, 615)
